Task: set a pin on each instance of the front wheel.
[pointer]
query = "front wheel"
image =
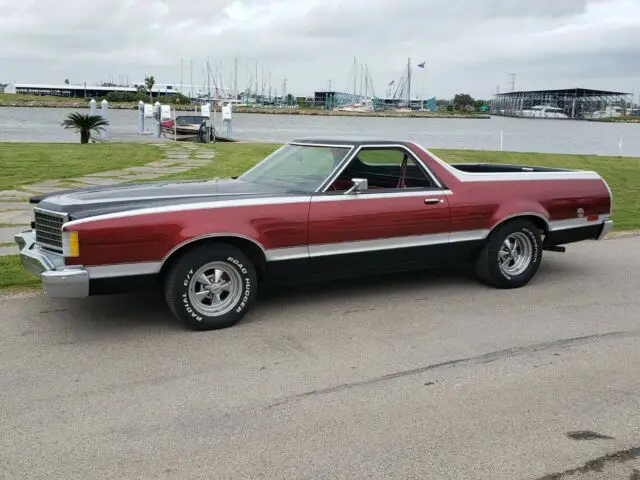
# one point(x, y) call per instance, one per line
point(511, 256)
point(211, 287)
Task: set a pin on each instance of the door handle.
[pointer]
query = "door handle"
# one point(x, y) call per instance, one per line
point(432, 201)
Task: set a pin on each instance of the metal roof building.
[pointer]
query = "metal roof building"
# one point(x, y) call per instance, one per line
point(571, 103)
point(79, 91)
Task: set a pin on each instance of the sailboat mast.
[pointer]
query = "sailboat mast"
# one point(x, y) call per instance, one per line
point(409, 83)
point(355, 77)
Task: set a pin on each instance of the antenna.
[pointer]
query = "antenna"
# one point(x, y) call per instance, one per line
point(512, 78)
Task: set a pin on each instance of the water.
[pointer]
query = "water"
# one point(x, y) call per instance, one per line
point(528, 135)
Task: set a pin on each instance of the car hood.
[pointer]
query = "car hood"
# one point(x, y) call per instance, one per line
point(91, 201)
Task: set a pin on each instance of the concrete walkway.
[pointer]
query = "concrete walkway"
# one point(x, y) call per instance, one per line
point(16, 212)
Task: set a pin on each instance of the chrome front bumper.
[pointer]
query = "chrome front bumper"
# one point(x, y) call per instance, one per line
point(59, 280)
point(606, 228)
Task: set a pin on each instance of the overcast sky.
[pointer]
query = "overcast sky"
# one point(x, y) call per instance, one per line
point(468, 45)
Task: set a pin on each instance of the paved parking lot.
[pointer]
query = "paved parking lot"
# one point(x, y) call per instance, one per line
point(410, 376)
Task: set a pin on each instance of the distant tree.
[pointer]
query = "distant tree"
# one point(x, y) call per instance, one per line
point(289, 99)
point(85, 124)
point(463, 101)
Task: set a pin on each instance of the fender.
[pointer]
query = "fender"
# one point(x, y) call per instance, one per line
point(520, 209)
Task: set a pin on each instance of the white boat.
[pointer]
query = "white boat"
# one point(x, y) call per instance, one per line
point(365, 106)
point(544, 111)
point(607, 112)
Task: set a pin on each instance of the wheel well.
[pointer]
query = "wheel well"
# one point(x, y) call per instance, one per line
point(250, 249)
point(539, 222)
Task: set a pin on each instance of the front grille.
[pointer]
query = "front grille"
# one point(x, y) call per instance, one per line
point(48, 226)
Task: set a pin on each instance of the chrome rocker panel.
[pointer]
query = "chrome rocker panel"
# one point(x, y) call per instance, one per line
point(58, 280)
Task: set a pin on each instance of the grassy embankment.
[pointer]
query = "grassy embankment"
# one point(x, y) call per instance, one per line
point(27, 163)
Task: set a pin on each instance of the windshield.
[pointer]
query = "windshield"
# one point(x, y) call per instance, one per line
point(297, 167)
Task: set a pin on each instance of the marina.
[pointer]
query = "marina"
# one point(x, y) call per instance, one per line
point(506, 133)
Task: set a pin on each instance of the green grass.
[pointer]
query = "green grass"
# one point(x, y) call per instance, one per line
point(231, 159)
point(10, 97)
point(25, 163)
point(13, 275)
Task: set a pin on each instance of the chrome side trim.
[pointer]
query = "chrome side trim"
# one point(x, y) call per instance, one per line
point(213, 235)
point(567, 224)
point(468, 235)
point(287, 253)
point(343, 248)
point(381, 244)
point(63, 200)
point(330, 145)
point(124, 270)
point(248, 202)
point(523, 214)
point(368, 196)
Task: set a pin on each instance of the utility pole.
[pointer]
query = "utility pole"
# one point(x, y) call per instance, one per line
point(512, 77)
point(284, 89)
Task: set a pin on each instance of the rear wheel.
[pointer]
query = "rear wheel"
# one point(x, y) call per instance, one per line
point(211, 287)
point(511, 256)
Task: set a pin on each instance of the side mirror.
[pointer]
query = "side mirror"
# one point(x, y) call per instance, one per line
point(358, 185)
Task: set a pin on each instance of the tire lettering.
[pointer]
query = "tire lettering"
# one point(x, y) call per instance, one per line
point(245, 298)
point(188, 308)
point(237, 264)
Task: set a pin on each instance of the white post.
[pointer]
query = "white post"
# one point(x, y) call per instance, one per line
point(93, 108)
point(140, 117)
point(156, 108)
point(104, 111)
point(227, 118)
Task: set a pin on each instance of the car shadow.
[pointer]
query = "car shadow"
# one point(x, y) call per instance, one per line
point(148, 310)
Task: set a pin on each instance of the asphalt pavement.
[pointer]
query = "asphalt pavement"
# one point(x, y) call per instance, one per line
point(422, 375)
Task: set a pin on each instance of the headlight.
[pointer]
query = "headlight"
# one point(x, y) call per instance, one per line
point(70, 244)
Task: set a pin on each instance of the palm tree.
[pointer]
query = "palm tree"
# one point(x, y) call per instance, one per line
point(149, 82)
point(85, 124)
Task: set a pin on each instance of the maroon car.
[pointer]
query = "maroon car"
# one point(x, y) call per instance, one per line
point(314, 209)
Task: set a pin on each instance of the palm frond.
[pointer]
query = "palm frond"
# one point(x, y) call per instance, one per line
point(84, 122)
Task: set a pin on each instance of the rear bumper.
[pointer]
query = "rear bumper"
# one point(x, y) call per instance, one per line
point(577, 231)
point(606, 228)
point(58, 279)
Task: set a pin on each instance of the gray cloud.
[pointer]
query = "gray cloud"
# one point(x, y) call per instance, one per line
point(468, 46)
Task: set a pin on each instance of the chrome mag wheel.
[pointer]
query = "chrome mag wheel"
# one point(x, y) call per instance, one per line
point(215, 289)
point(515, 254)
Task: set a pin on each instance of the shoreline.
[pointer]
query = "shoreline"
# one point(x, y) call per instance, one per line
point(255, 110)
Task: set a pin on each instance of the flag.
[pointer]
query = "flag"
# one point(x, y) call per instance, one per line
point(392, 82)
point(421, 65)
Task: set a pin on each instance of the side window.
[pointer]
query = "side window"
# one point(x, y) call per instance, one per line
point(384, 168)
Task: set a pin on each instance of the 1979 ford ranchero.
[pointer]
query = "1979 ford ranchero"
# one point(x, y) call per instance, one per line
point(313, 209)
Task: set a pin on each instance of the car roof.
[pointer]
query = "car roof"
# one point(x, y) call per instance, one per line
point(348, 141)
